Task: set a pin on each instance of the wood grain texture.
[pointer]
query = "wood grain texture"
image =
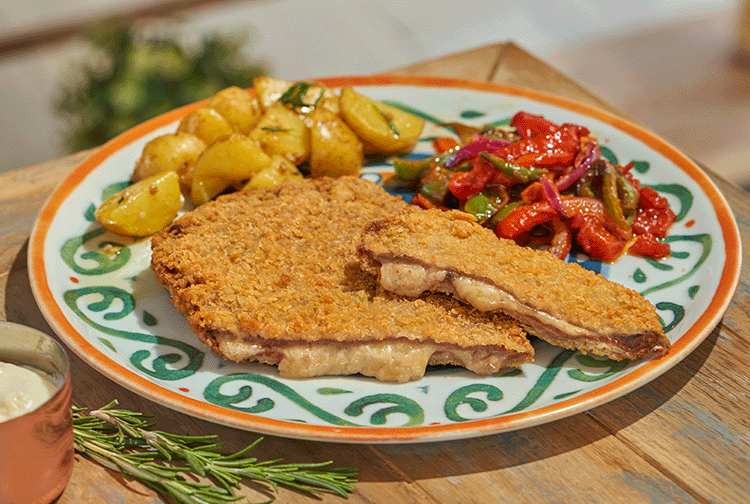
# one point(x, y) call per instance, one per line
point(682, 438)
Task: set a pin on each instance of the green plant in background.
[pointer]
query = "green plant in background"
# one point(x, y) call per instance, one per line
point(131, 76)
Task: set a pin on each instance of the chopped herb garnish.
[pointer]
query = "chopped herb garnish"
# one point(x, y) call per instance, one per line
point(295, 95)
point(274, 128)
point(387, 120)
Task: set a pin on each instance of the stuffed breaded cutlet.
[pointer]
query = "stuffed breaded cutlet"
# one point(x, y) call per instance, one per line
point(416, 251)
point(272, 276)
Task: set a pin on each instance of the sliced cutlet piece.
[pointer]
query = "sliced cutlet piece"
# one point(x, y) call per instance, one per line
point(272, 276)
point(564, 304)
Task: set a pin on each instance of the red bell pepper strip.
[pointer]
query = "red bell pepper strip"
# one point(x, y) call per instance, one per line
point(423, 202)
point(651, 199)
point(599, 240)
point(646, 245)
point(530, 125)
point(463, 185)
point(556, 148)
point(653, 221)
point(444, 144)
point(562, 240)
point(654, 216)
point(524, 218)
point(532, 193)
point(596, 239)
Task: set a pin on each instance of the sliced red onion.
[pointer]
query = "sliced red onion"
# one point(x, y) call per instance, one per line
point(550, 192)
point(582, 163)
point(473, 149)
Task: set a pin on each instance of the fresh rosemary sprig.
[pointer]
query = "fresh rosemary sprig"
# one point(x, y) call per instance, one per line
point(122, 440)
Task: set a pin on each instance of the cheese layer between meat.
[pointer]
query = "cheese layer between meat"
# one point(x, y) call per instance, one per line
point(411, 279)
point(388, 360)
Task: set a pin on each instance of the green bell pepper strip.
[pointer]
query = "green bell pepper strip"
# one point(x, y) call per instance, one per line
point(412, 169)
point(611, 197)
point(520, 173)
point(479, 206)
point(486, 206)
point(435, 191)
point(629, 197)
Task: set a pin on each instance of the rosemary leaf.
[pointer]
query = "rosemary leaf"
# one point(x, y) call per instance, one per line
point(295, 95)
point(169, 464)
point(387, 119)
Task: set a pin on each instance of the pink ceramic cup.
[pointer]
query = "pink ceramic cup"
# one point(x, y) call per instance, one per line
point(36, 448)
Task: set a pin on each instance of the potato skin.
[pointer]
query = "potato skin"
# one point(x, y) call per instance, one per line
point(171, 152)
point(143, 208)
point(269, 90)
point(381, 127)
point(279, 170)
point(334, 148)
point(224, 162)
point(280, 131)
point(205, 123)
point(238, 106)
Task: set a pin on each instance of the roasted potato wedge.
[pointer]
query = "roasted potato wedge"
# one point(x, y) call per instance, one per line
point(381, 127)
point(334, 148)
point(205, 123)
point(280, 131)
point(274, 174)
point(238, 106)
point(175, 152)
point(228, 160)
point(143, 208)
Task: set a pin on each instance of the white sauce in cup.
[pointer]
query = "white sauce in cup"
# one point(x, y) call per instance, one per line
point(22, 389)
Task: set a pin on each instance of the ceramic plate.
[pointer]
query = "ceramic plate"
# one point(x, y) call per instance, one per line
point(97, 292)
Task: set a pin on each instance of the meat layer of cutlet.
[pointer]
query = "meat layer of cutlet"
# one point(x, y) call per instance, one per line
point(564, 304)
point(261, 274)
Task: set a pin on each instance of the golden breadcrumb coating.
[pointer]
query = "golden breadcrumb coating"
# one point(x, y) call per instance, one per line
point(572, 307)
point(279, 266)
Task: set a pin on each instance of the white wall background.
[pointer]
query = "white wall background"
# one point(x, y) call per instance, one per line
point(304, 39)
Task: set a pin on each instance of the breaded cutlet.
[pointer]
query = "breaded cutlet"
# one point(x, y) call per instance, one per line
point(432, 250)
point(272, 276)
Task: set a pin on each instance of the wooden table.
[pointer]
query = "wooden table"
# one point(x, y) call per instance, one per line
point(685, 437)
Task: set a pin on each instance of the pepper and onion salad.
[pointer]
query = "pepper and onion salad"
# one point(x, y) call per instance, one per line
point(543, 185)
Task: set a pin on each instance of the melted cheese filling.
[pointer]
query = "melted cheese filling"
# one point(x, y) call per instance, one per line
point(389, 360)
point(410, 279)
